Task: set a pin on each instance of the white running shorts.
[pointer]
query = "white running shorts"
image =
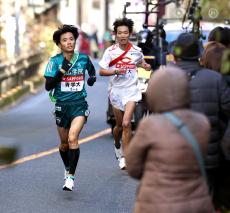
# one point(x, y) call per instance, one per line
point(119, 97)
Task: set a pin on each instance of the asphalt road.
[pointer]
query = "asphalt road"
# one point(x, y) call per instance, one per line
point(34, 184)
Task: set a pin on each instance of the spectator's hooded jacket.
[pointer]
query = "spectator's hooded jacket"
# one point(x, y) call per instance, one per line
point(158, 155)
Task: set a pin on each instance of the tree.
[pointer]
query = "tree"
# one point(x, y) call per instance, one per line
point(215, 10)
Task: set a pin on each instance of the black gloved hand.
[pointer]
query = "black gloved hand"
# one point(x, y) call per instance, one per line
point(66, 65)
point(91, 80)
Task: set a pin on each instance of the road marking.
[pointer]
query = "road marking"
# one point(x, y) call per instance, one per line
point(51, 151)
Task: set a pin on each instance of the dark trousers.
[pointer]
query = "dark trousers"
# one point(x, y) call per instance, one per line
point(212, 179)
point(222, 189)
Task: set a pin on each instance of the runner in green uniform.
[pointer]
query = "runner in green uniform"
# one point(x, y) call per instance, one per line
point(65, 79)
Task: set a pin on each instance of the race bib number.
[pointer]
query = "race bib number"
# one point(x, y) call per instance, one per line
point(128, 68)
point(127, 73)
point(72, 83)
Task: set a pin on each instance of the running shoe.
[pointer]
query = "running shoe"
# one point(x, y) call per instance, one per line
point(118, 152)
point(122, 163)
point(69, 183)
point(66, 173)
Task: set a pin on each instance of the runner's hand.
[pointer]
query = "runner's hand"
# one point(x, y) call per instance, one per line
point(120, 72)
point(91, 80)
point(147, 66)
point(66, 65)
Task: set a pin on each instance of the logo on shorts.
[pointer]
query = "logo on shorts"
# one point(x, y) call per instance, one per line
point(58, 120)
point(87, 112)
point(58, 108)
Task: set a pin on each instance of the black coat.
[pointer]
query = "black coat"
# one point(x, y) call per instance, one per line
point(209, 95)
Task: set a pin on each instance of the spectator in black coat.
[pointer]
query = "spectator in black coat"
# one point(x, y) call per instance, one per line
point(209, 95)
point(217, 57)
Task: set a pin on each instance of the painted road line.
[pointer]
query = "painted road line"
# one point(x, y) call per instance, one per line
point(54, 150)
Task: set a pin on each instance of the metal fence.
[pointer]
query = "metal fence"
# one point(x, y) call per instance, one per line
point(14, 73)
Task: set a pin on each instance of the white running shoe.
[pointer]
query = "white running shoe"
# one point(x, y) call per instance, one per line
point(122, 163)
point(69, 184)
point(118, 152)
point(66, 173)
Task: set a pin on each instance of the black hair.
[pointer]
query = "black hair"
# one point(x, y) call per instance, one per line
point(123, 22)
point(64, 29)
point(220, 34)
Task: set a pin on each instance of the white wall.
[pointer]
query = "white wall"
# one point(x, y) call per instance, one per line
point(94, 18)
point(68, 12)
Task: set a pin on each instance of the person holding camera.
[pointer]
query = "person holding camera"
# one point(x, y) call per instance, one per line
point(65, 78)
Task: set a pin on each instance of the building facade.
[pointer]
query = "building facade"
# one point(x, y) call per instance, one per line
point(21, 23)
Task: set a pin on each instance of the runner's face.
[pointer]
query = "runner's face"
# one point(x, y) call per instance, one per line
point(122, 35)
point(67, 42)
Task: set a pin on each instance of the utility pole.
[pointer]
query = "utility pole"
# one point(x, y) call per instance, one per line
point(147, 3)
point(79, 8)
point(17, 15)
point(106, 14)
point(0, 30)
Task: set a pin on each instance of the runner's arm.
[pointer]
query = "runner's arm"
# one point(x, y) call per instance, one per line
point(104, 72)
point(51, 82)
point(92, 73)
point(91, 68)
point(104, 65)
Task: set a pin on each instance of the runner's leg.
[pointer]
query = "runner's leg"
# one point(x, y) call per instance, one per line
point(64, 146)
point(126, 124)
point(74, 150)
point(117, 131)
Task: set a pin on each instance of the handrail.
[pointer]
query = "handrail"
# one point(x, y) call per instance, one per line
point(13, 74)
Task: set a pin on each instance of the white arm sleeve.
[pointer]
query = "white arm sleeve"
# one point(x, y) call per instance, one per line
point(106, 58)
